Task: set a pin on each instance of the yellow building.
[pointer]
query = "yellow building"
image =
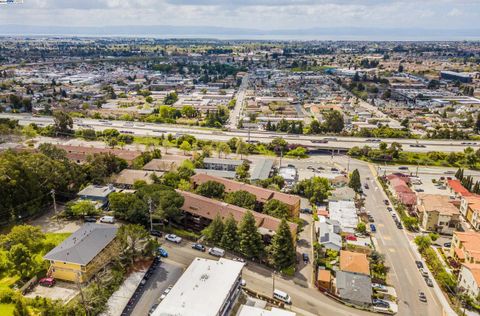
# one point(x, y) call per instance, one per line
point(84, 253)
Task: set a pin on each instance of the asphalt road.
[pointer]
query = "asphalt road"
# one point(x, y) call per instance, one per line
point(237, 110)
point(151, 129)
point(394, 243)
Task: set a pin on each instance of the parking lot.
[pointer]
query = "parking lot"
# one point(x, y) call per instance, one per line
point(60, 291)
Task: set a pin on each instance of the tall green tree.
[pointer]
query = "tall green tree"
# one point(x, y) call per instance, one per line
point(282, 249)
point(130, 236)
point(230, 234)
point(211, 189)
point(63, 122)
point(242, 172)
point(214, 232)
point(334, 121)
point(251, 243)
point(22, 260)
point(276, 209)
point(242, 198)
point(355, 182)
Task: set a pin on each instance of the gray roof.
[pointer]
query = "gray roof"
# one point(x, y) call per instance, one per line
point(354, 287)
point(262, 169)
point(84, 244)
point(217, 173)
point(223, 161)
point(326, 235)
point(97, 191)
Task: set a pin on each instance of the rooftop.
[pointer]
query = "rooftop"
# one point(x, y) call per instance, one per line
point(129, 176)
point(458, 188)
point(84, 244)
point(262, 169)
point(97, 191)
point(202, 289)
point(354, 262)
point(437, 203)
point(355, 287)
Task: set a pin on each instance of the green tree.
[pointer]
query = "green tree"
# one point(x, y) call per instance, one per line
point(168, 204)
point(63, 122)
point(211, 189)
point(223, 148)
point(355, 182)
point(282, 249)
point(166, 144)
point(130, 236)
point(423, 242)
point(230, 234)
point(242, 148)
point(251, 243)
point(333, 121)
point(242, 172)
point(31, 237)
point(361, 228)
point(214, 232)
point(22, 260)
point(241, 198)
point(476, 128)
point(81, 208)
point(186, 147)
point(276, 209)
point(189, 111)
point(171, 98)
point(315, 189)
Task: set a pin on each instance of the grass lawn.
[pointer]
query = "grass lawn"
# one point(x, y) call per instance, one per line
point(7, 309)
point(56, 238)
point(7, 282)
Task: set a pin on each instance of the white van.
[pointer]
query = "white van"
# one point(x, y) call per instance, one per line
point(107, 219)
point(282, 296)
point(216, 252)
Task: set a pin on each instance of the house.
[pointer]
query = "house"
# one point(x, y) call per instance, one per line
point(354, 288)
point(437, 213)
point(221, 164)
point(217, 173)
point(399, 186)
point(354, 262)
point(84, 253)
point(344, 213)
point(166, 163)
point(80, 154)
point(207, 288)
point(324, 280)
point(262, 169)
point(97, 193)
point(470, 209)
point(200, 211)
point(469, 279)
point(342, 194)
point(339, 181)
point(262, 195)
point(456, 188)
point(127, 177)
point(465, 247)
point(328, 235)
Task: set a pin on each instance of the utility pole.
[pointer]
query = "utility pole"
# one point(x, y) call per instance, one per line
point(273, 283)
point(248, 136)
point(52, 192)
point(150, 210)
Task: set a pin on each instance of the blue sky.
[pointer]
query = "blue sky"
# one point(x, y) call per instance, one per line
point(260, 14)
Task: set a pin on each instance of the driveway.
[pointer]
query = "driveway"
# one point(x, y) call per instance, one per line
point(167, 273)
point(304, 273)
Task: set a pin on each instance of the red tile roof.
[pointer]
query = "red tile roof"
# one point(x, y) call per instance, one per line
point(458, 188)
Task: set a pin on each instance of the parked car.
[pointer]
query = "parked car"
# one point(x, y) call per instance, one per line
point(366, 186)
point(373, 228)
point(403, 168)
point(319, 169)
point(379, 287)
point(419, 190)
point(90, 219)
point(399, 225)
point(422, 297)
point(243, 283)
point(167, 290)
point(305, 258)
point(447, 245)
point(429, 282)
point(156, 233)
point(282, 296)
point(199, 247)
point(351, 237)
point(217, 252)
point(173, 238)
point(386, 202)
point(380, 303)
point(419, 264)
point(306, 210)
point(370, 218)
point(389, 209)
point(238, 259)
point(311, 168)
point(162, 252)
point(49, 282)
point(107, 219)
point(423, 272)
point(152, 309)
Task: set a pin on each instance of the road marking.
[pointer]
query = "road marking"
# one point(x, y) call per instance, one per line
point(408, 277)
point(387, 237)
point(392, 250)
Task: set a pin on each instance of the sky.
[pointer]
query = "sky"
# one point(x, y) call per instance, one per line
point(256, 14)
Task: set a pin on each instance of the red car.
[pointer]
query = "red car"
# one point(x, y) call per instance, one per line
point(47, 282)
point(351, 237)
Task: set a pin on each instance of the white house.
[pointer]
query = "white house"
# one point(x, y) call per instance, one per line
point(469, 278)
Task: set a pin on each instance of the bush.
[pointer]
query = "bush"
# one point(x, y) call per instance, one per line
point(290, 271)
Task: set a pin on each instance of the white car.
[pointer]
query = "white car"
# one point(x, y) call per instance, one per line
point(164, 294)
point(173, 238)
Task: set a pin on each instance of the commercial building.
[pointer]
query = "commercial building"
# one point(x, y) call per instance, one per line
point(199, 211)
point(455, 76)
point(345, 213)
point(437, 213)
point(206, 288)
point(97, 194)
point(84, 253)
point(262, 195)
point(469, 279)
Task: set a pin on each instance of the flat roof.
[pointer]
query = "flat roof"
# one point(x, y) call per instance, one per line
point(97, 190)
point(223, 161)
point(246, 310)
point(202, 289)
point(262, 169)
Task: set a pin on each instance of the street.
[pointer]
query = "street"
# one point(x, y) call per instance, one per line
point(237, 110)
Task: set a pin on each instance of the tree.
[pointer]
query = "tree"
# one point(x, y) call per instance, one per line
point(355, 182)
point(130, 235)
point(223, 148)
point(166, 144)
point(81, 208)
point(241, 198)
point(22, 260)
point(282, 249)
point(361, 228)
point(315, 189)
point(214, 232)
point(251, 243)
point(333, 121)
point(459, 174)
point(400, 68)
point(477, 124)
point(242, 148)
point(168, 204)
point(63, 122)
point(171, 98)
point(423, 242)
point(211, 189)
point(242, 172)
point(230, 234)
point(186, 147)
point(276, 209)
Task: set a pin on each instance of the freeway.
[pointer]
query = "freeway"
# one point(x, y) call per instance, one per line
point(237, 110)
point(334, 143)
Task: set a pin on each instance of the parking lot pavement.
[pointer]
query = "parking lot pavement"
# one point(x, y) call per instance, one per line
point(167, 273)
point(61, 291)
